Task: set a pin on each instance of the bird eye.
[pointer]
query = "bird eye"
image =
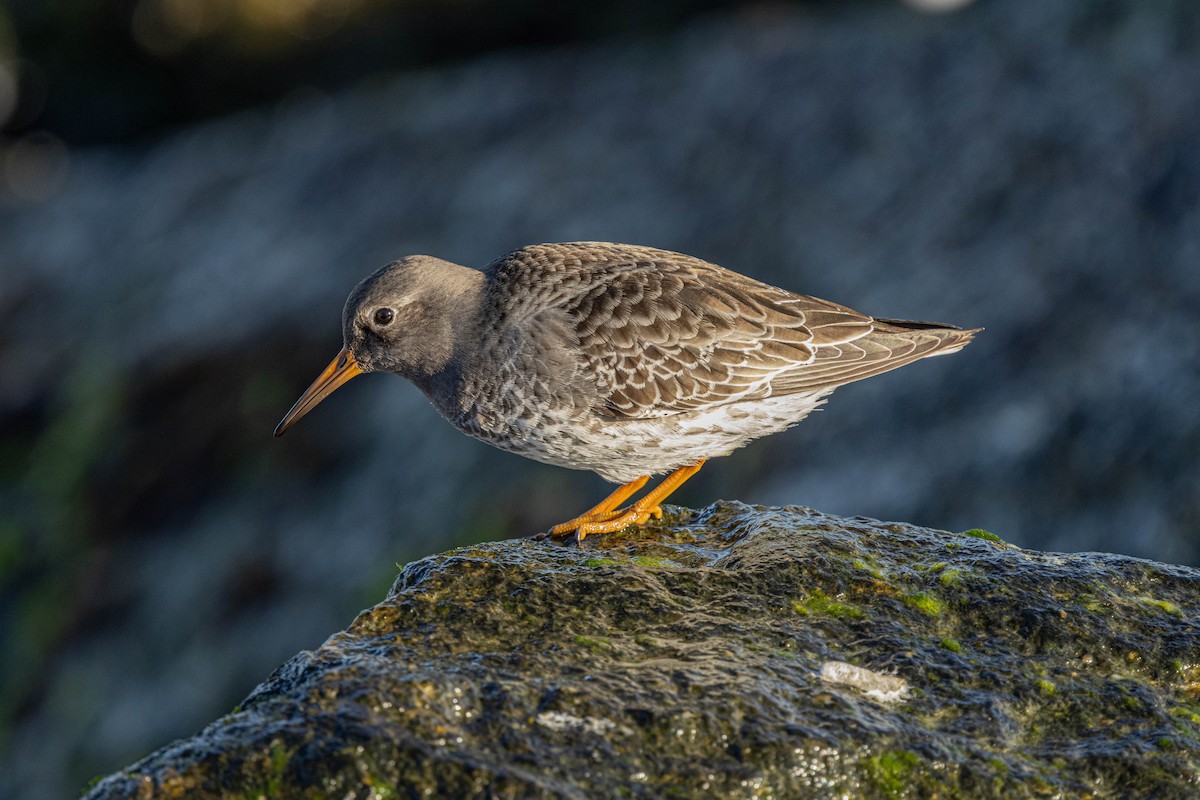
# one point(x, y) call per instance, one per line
point(384, 316)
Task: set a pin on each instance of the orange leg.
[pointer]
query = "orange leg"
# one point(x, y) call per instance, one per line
point(602, 519)
point(603, 509)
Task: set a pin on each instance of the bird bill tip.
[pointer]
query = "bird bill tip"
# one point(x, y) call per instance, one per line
point(340, 370)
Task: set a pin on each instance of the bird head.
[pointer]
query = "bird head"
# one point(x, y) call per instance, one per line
point(400, 319)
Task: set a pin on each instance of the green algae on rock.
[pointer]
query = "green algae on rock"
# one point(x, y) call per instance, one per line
point(734, 651)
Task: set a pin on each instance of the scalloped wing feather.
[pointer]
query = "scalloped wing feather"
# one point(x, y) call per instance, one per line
point(661, 333)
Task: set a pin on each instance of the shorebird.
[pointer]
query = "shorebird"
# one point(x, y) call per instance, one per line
point(624, 360)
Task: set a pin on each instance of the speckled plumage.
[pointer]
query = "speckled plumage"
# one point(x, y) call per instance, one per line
point(618, 359)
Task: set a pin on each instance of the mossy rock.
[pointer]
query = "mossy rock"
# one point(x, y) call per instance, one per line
point(730, 652)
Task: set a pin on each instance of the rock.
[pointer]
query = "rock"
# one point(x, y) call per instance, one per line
point(735, 651)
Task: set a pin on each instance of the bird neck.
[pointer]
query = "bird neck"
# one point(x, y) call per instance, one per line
point(464, 294)
point(460, 297)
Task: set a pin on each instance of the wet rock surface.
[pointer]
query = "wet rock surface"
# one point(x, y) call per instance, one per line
point(735, 651)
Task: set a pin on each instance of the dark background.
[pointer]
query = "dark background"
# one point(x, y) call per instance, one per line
point(189, 189)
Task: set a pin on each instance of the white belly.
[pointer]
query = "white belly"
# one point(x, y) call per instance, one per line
point(622, 450)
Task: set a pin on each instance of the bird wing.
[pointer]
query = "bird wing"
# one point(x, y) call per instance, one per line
point(883, 350)
point(661, 333)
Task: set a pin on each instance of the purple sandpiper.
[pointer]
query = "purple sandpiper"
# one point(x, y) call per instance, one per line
point(627, 361)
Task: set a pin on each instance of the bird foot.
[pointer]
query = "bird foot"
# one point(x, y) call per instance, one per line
point(603, 519)
point(608, 522)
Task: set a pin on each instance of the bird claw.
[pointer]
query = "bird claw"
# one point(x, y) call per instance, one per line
point(610, 522)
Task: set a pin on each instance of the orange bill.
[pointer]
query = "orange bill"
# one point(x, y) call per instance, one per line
point(340, 370)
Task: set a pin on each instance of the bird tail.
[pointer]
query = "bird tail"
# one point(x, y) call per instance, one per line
point(952, 338)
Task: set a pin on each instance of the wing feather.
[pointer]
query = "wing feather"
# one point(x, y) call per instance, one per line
point(660, 333)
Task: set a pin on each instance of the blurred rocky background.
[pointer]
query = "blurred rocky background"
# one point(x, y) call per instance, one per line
point(189, 189)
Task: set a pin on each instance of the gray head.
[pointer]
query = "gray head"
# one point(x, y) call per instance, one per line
point(404, 318)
